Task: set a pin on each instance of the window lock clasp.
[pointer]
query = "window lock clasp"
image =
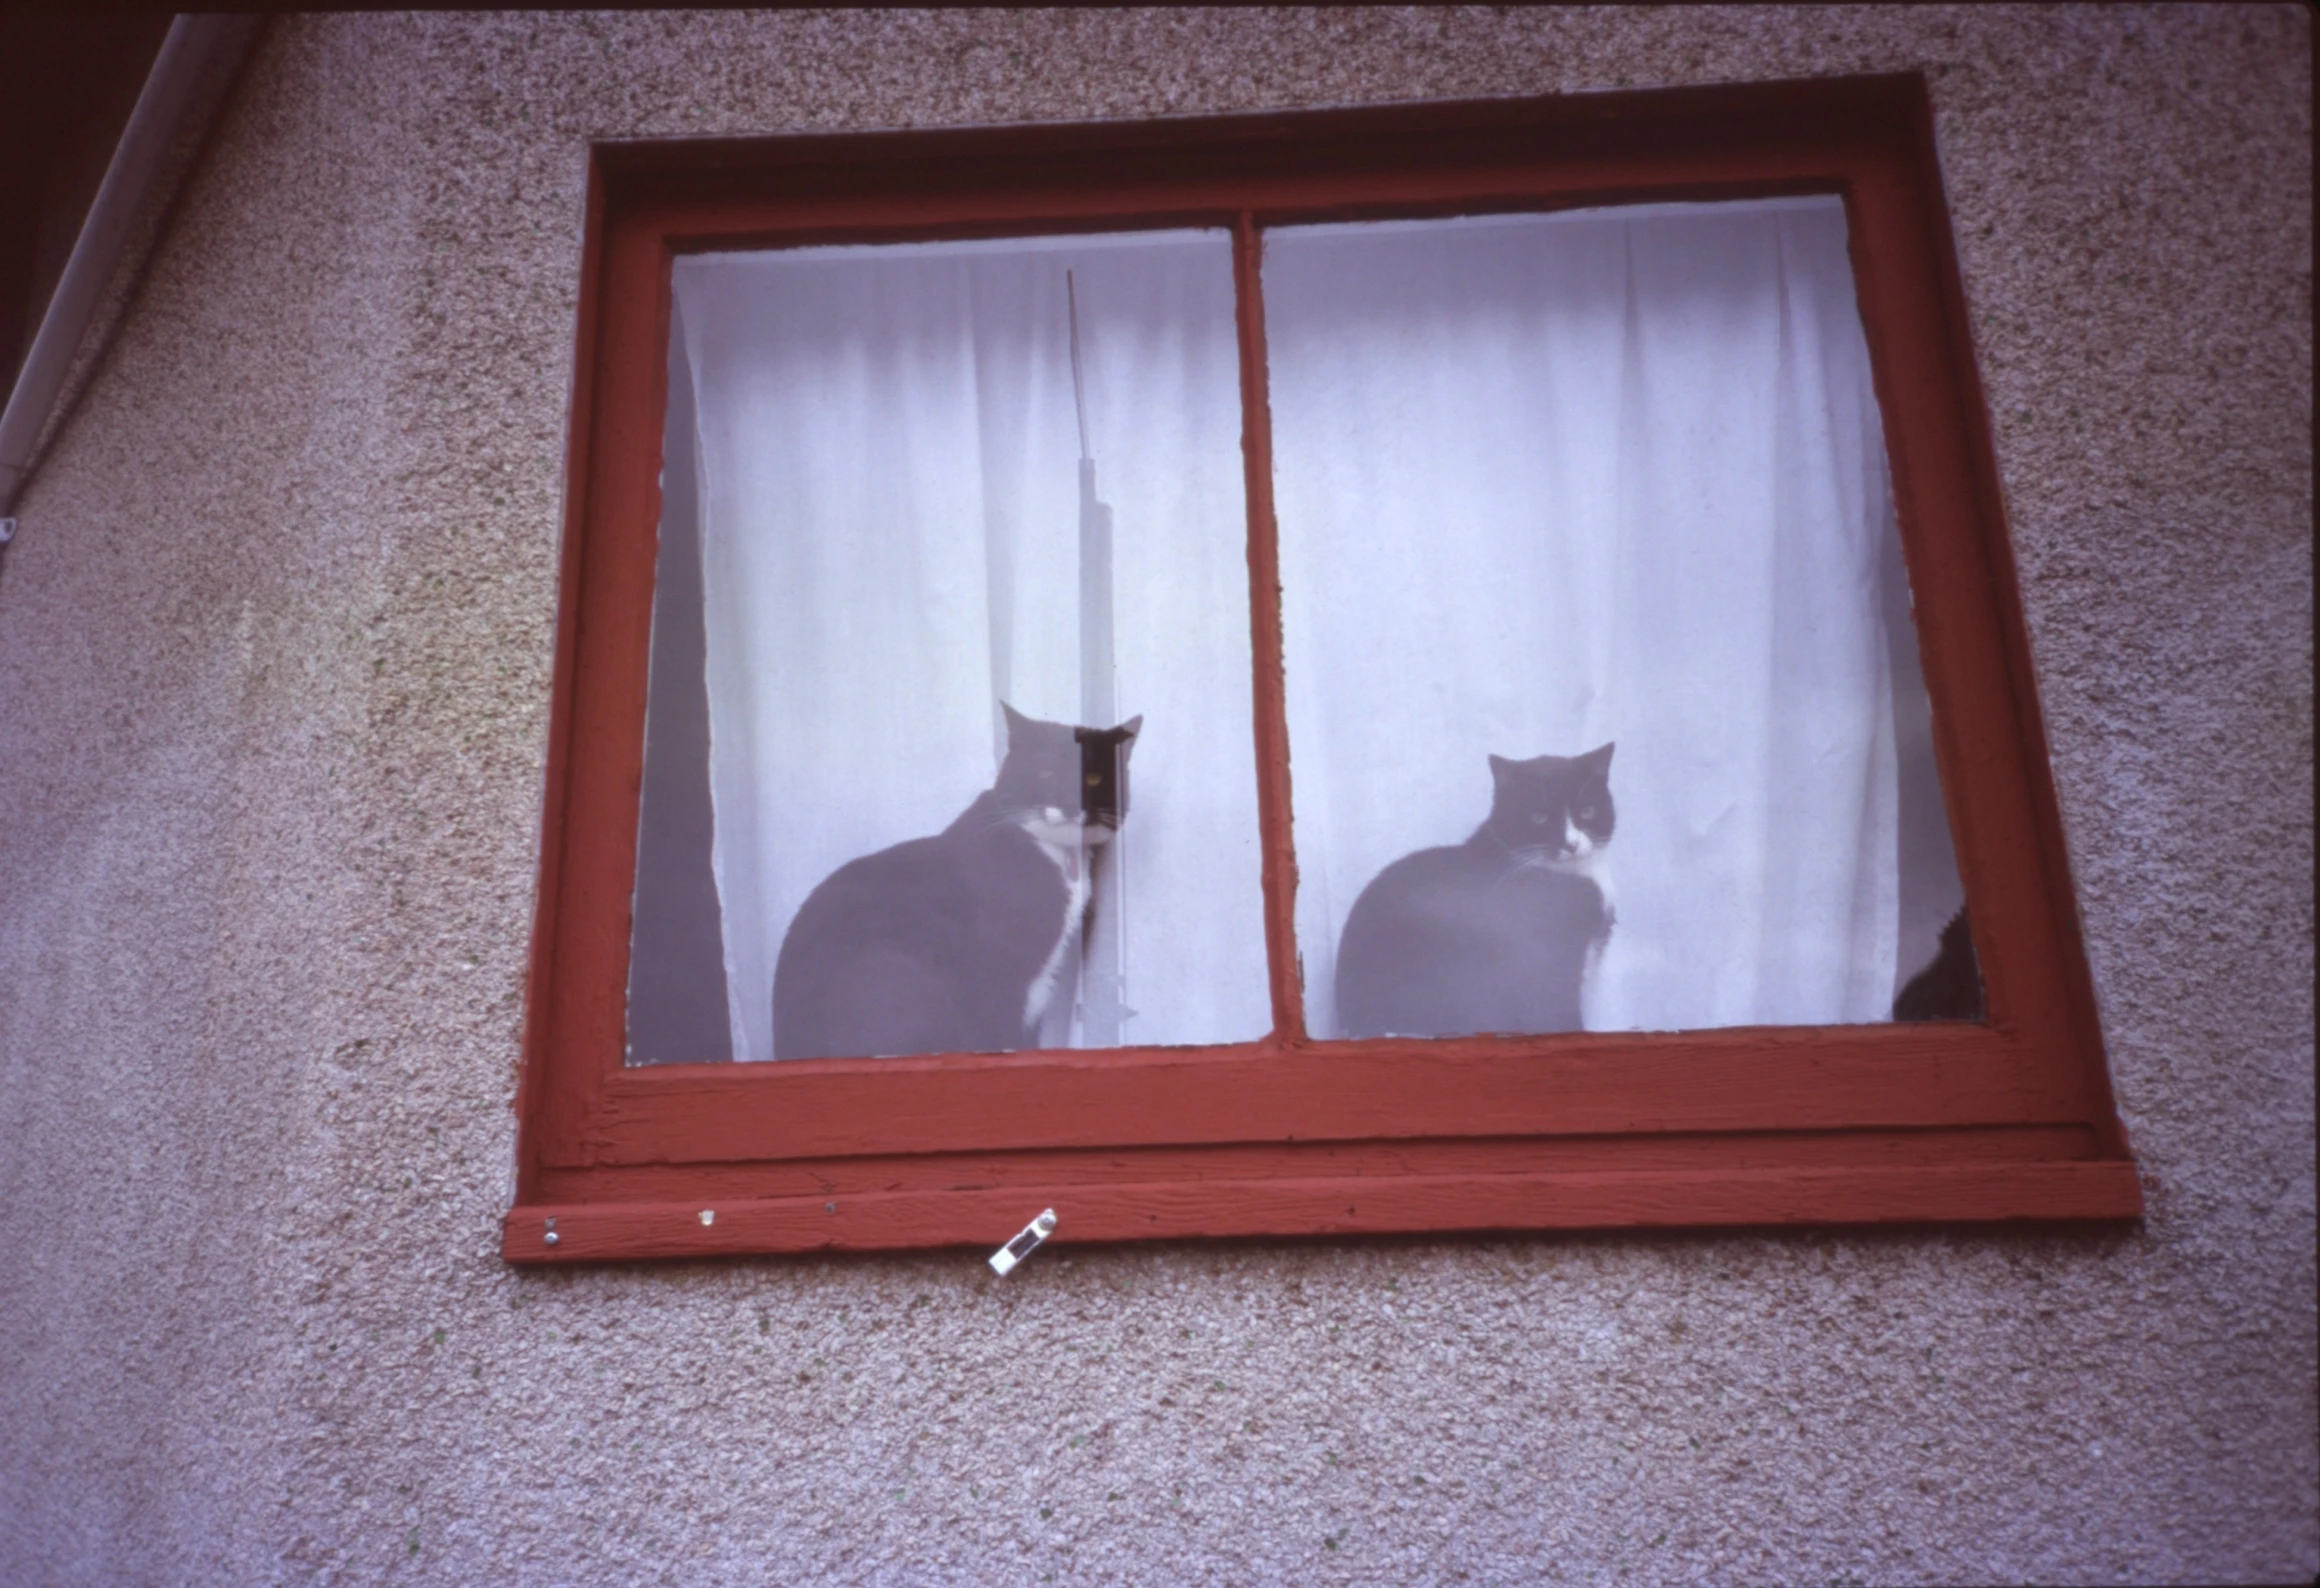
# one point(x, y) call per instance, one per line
point(1003, 1260)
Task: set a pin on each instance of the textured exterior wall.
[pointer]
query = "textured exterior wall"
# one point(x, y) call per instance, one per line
point(274, 657)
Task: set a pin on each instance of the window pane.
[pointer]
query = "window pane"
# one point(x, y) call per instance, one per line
point(1603, 700)
point(906, 616)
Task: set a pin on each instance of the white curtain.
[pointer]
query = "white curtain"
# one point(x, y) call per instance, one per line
point(1542, 481)
point(1546, 481)
point(888, 454)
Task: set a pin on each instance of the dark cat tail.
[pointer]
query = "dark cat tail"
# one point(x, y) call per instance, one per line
point(1950, 986)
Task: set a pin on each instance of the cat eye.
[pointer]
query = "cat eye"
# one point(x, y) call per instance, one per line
point(1399, 464)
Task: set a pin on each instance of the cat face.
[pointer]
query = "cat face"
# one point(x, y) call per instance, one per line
point(1552, 807)
point(1063, 782)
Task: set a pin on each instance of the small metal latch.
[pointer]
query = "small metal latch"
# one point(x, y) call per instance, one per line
point(1039, 1229)
point(551, 1237)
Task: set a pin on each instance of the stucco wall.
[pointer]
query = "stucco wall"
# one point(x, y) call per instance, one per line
point(274, 652)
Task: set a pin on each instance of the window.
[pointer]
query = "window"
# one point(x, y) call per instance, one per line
point(1523, 581)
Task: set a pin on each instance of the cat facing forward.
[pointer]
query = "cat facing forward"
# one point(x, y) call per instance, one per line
point(960, 942)
point(1496, 934)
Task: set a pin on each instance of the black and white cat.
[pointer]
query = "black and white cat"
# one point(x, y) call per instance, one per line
point(959, 943)
point(1497, 934)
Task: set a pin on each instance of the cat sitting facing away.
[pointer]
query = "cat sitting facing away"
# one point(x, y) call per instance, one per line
point(1950, 985)
point(958, 943)
point(1495, 934)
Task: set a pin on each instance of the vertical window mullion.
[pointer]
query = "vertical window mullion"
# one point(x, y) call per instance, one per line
point(1271, 712)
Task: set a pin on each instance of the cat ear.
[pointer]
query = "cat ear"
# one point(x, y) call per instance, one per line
point(1016, 722)
point(1128, 730)
point(1599, 758)
point(1499, 767)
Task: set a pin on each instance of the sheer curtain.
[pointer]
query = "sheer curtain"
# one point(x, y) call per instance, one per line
point(888, 456)
point(1548, 481)
point(1542, 482)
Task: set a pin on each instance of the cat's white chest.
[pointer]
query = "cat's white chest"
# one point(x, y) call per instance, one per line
point(1592, 866)
point(1070, 860)
point(1595, 868)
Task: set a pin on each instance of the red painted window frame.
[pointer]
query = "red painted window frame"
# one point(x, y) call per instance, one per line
point(2008, 1119)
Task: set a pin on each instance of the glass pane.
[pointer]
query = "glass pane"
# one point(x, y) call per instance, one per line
point(972, 572)
point(1603, 697)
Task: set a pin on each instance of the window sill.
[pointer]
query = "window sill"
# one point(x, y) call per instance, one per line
point(1184, 1206)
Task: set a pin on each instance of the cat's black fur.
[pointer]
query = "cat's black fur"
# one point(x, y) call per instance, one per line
point(959, 942)
point(1950, 985)
point(1495, 934)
